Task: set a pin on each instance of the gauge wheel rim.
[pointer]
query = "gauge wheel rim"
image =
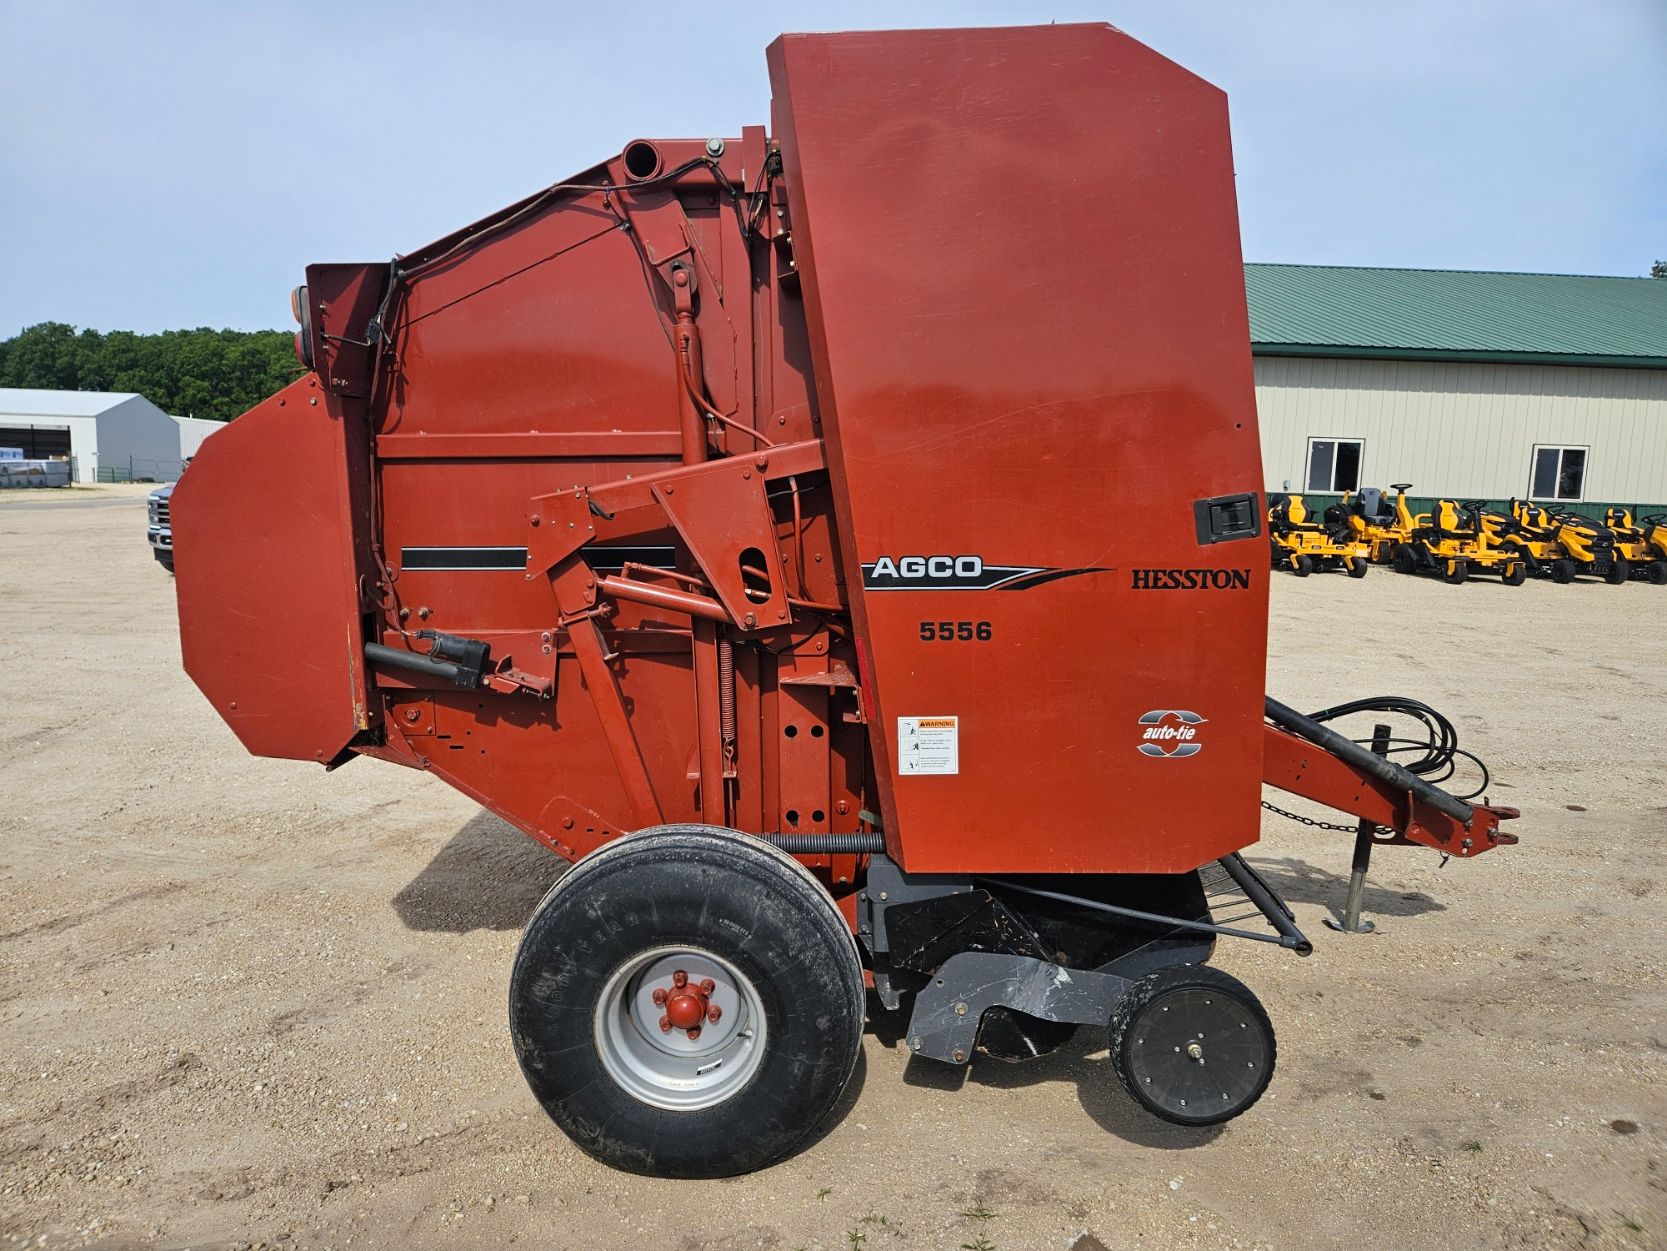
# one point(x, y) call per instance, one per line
point(666, 1068)
point(1198, 1054)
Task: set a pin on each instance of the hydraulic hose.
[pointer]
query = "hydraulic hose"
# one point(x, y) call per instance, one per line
point(1367, 762)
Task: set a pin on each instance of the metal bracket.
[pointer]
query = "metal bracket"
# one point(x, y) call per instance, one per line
point(948, 1011)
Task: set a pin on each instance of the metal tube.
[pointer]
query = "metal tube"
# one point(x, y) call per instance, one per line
point(416, 662)
point(1288, 936)
point(663, 597)
point(1352, 924)
point(1374, 766)
point(1256, 890)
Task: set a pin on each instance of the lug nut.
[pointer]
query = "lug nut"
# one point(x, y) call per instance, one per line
point(713, 1013)
point(665, 1025)
point(694, 1033)
point(707, 986)
point(659, 996)
point(680, 979)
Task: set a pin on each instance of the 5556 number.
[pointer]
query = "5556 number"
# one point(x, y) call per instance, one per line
point(955, 631)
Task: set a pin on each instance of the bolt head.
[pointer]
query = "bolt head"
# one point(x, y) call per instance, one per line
point(707, 986)
point(659, 996)
point(713, 1013)
point(665, 1025)
point(694, 1033)
point(680, 979)
point(714, 147)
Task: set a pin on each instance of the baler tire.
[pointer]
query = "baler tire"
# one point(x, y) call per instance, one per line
point(1358, 566)
point(1620, 569)
point(664, 896)
point(1257, 1053)
point(1657, 573)
point(1404, 559)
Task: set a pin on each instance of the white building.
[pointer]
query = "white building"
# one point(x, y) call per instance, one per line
point(192, 432)
point(1468, 385)
point(112, 436)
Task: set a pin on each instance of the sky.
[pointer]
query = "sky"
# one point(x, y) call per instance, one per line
point(168, 163)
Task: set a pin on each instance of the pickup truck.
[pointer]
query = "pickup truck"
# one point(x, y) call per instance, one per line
point(160, 532)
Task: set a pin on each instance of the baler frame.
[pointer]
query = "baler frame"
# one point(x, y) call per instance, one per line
point(678, 567)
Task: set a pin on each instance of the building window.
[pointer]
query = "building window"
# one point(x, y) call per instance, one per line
point(1334, 464)
point(1559, 473)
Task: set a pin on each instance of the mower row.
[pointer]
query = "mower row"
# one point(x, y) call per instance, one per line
point(1457, 540)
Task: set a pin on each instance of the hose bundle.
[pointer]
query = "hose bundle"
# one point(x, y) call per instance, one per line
point(1433, 755)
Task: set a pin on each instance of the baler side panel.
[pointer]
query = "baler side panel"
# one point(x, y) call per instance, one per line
point(270, 540)
point(1026, 303)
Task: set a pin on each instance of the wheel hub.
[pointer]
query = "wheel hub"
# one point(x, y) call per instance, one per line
point(680, 1028)
point(687, 1004)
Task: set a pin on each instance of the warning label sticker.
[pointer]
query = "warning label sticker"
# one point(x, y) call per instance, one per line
point(928, 745)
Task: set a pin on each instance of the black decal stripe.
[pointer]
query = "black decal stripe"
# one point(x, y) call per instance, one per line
point(452, 558)
point(612, 557)
point(1048, 575)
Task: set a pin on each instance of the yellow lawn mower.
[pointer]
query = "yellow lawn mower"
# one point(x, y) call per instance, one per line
point(1303, 545)
point(1585, 546)
point(1643, 545)
point(1379, 523)
point(1454, 541)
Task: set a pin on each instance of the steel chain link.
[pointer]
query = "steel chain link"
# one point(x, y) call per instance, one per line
point(1318, 824)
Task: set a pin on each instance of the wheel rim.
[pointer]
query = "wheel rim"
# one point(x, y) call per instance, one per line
point(681, 1068)
point(1198, 1053)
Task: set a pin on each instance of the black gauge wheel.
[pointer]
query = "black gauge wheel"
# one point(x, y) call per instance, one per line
point(1192, 1045)
point(1405, 559)
point(1357, 566)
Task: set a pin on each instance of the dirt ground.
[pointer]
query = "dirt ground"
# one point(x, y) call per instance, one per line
point(244, 1002)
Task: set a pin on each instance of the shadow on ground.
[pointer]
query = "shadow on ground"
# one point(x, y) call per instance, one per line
point(1081, 1061)
point(1297, 881)
point(490, 876)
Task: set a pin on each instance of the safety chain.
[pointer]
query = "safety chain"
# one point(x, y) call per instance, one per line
point(1382, 830)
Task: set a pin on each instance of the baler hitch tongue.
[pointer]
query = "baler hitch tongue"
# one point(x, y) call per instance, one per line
point(1420, 812)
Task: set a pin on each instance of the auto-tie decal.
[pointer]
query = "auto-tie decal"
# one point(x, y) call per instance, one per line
point(1170, 733)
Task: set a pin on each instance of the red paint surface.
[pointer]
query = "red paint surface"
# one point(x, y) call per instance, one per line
point(997, 276)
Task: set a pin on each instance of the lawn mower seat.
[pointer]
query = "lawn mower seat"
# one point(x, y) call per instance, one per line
point(1371, 505)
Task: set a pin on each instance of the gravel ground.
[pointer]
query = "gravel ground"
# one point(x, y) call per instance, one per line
point(248, 1003)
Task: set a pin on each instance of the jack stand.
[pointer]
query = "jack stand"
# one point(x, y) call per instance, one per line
point(1351, 922)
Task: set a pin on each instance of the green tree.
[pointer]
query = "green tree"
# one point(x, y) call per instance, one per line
point(1659, 270)
point(196, 373)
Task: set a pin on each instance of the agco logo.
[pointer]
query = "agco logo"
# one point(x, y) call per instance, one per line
point(957, 573)
point(1170, 733)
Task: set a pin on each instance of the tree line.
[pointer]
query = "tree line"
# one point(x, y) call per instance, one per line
point(190, 373)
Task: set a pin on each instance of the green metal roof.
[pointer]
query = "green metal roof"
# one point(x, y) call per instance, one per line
point(1449, 314)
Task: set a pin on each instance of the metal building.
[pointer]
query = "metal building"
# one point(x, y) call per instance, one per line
point(111, 436)
point(1467, 385)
